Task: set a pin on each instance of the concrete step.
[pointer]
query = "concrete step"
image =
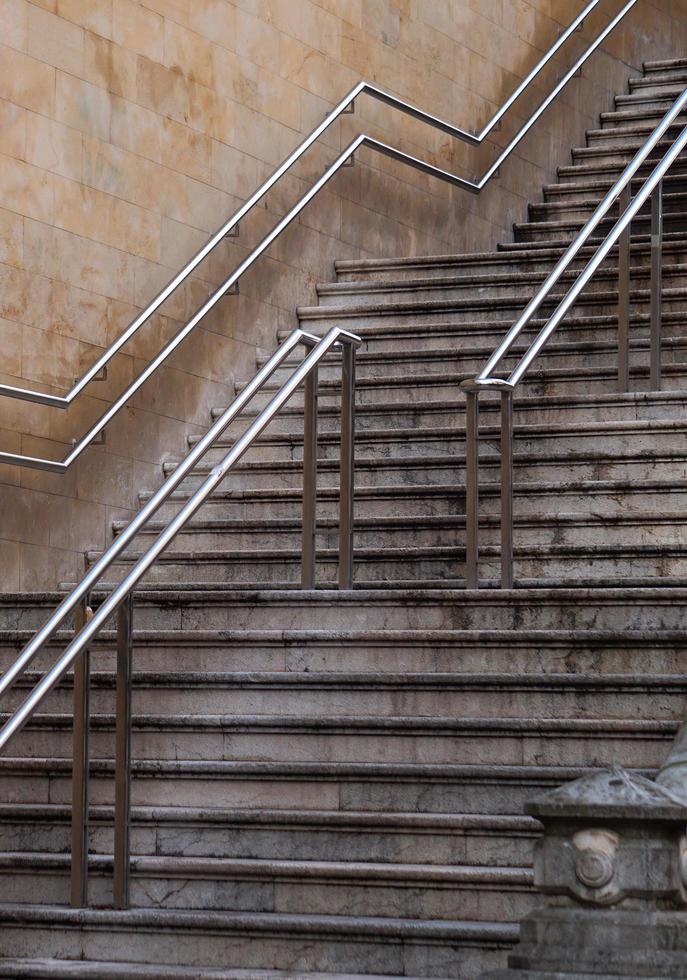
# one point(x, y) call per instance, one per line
point(466, 309)
point(594, 499)
point(565, 352)
point(478, 651)
point(536, 529)
point(582, 208)
point(545, 605)
point(567, 228)
point(62, 969)
point(320, 835)
point(661, 435)
point(407, 566)
point(278, 740)
point(213, 699)
point(333, 944)
point(480, 263)
point(430, 333)
point(649, 114)
point(595, 187)
point(540, 380)
point(449, 788)
point(492, 285)
point(285, 887)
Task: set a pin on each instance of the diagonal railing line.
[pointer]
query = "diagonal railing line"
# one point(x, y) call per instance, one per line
point(61, 466)
point(618, 235)
point(319, 348)
point(375, 92)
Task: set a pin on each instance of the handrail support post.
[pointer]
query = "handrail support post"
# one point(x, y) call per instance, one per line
point(81, 766)
point(309, 481)
point(472, 490)
point(656, 285)
point(347, 469)
point(122, 826)
point(624, 256)
point(507, 490)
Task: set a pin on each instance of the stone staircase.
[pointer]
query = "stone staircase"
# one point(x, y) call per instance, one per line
point(333, 783)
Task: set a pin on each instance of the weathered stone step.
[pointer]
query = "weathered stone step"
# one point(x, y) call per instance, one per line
point(592, 497)
point(67, 969)
point(219, 702)
point(650, 114)
point(566, 351)
point(582, 208)
point(522, 260)
point(595, 187)
point(439, 310)
point(533, 529)
point(630, 434)
point(391, 341)
point(343, 944)
point(485, 651)
point(377, 787)
point(581, 463)
point(540, 381)
point(542, 605)
point(319, 835)
point(285, 887)
point(362, 740)
point(655, 83)
point(434, 567)
point(566, 229)
point(340, 294)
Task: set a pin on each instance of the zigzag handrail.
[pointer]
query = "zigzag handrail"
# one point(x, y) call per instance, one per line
point(347, 103)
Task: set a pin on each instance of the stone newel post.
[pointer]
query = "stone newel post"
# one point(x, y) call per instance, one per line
point(612, 867)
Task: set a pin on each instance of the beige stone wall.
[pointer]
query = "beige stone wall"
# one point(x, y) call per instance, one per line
point(131, 129)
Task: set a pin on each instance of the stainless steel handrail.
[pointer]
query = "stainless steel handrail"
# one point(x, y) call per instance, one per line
point(119, 598)
point(362, 88)
point(620, 193)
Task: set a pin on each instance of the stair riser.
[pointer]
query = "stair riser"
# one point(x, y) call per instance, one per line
point(478, 796)
point(602, 303)
point(495, 262)
point(414, 699)
point(539, 533)
point(386, 473)
point(590, 189)
point(491, 610)
point(377, 416)
point(388, 571)
point(467, 290)
point(309, 897)
point(422, 444)
point(529, 500)
point(475, 847)
point(280, 951)
point(342, 654)
point(464, 363)
point(553, 749)
point(544, 231)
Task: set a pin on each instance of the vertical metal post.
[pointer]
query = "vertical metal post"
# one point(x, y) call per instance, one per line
point(472, 490)
point(347, 470)
point(80, 766)
point(122, 826)
point(506, 489)
point(309, 481)
point(624, 256)
point(656, 284)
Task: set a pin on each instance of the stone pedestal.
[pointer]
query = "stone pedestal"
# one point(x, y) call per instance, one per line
point(612, 868)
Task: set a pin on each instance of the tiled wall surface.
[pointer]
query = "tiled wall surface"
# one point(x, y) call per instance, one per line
point(131, 128)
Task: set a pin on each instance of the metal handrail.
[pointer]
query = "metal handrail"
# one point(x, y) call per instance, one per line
point(620, 193)
point(89, 624)
point(229, 227)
